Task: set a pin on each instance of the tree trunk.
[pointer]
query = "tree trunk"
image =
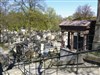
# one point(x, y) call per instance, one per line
point(96, 41)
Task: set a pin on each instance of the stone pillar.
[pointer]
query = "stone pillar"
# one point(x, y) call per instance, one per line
point(68, 39)
point(62, 41)
point(72, 41)
point(85, 40)
point(96, 41)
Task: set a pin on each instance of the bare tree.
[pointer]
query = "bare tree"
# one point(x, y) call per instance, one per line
point(96, 41)
point(30, 5)
point(4, 9)
point(83, 12)
point(4, 6)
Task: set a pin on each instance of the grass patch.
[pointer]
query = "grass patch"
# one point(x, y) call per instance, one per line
point(96, 53)
point(3, 46)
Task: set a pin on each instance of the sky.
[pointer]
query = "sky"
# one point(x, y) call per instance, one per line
point(66, 8)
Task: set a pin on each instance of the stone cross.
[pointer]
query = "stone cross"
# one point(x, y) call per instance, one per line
point(96, 41)
point(98, 12)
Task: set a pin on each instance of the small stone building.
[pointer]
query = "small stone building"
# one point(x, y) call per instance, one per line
point(80, 34)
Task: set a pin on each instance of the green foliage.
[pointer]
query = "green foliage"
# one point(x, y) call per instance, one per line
point(96, 53)
point(15, 20)
point(32, 20)
point(53, 19)
point(3, 46)
point(28, 14)
point(68, 18)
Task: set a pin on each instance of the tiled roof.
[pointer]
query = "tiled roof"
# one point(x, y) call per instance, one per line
point(75, 23)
